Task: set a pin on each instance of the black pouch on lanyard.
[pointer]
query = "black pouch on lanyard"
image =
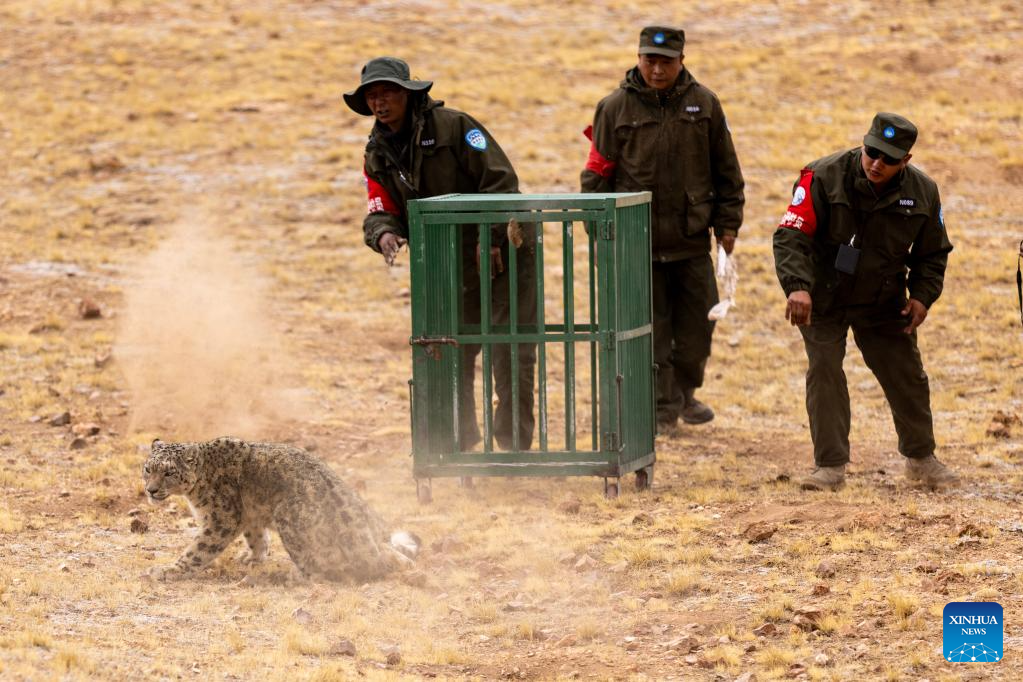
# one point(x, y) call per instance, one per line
point(1019, 281)
point(848, 257)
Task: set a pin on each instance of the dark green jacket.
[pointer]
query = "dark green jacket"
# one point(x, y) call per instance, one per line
point(447, 152)
point(677, 146)
point(901, 236)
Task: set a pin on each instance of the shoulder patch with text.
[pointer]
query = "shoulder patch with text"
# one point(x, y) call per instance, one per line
point(476, 139)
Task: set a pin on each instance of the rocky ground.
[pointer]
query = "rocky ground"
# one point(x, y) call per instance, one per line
point(182, 257)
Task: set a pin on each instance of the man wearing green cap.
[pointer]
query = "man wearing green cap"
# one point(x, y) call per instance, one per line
point(662, 131)
point(862, 228)
point(419, 148)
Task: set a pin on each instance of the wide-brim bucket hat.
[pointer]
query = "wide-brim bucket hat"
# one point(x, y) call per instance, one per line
point(383, 69)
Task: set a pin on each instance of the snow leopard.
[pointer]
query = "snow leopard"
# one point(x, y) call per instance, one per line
point(237, 487)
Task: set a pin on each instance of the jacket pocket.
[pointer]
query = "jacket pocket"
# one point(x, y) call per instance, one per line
point(700, 207)
point(637, 150)
point(892, 292)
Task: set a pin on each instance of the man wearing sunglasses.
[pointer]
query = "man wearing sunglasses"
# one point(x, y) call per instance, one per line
point(864, 227)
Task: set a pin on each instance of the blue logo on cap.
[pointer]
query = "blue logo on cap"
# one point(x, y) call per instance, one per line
point(889, 132)
point(972, 632)
point(658, 38)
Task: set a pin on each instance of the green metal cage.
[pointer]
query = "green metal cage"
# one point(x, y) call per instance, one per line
point(592, 418)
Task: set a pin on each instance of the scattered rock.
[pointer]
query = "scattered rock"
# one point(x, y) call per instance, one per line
point(63, 568)
point(570, 506)
point(62, 419)
point(825, 569)
point(795, 670)
point(567, 640)
point(342, 647)
point(138, 525)
point(567, 558)
point(84, 429)
point(967, 541)
point(107, 164)
point(821, 660)
point(766, 630)
point(683, 645)
point(1002, 424)
point(301, 616)
point(392, 653)
point(968, 529)
point(820, 589)
point(585, 563)
point(78, 443)
point(642, 519)
point(516, 606)
point(807, 618)
point(746, 677)
point(926, 567)
point(761, 531)
point(88, 309)
point(134, 512)
point(621, 567)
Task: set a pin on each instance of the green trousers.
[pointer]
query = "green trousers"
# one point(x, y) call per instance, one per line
point(503, 371)
point(893, 357)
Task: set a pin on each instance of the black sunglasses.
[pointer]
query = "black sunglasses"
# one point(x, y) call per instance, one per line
point(875, 153)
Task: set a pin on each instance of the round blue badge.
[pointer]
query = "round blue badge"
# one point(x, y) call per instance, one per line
point(476, 140)
point(889, 132)
point(659, 38)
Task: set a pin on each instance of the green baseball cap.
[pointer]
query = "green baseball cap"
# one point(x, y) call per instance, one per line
point(386, 69)
point(892, 134)
point(667, 42)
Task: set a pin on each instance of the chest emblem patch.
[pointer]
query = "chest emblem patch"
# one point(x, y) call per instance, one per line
point(428, 143)
point(907, 202)
point(476, 140)
point(693, 108)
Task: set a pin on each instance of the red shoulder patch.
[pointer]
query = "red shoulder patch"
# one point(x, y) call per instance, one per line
point(596, 161)
point(380, 200)
point(801, 215)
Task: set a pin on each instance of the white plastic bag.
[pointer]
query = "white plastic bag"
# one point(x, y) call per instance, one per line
point(729, 278)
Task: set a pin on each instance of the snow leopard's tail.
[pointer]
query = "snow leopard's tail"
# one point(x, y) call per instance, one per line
point(406, 542)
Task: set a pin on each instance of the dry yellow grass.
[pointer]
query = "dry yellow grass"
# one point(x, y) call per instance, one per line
point(125, 120)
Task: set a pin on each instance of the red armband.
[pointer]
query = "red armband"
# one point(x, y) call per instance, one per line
point(596, 161)
point(379, 200)
point(801, 215)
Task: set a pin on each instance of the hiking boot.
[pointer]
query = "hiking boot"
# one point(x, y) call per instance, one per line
point(824, 478)
point(694, 411)
point(928, 471)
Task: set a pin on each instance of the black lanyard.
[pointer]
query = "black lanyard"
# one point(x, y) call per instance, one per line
point(1019, 280)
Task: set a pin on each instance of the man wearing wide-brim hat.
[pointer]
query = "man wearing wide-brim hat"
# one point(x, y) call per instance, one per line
point(418, 148)
point(863, 230)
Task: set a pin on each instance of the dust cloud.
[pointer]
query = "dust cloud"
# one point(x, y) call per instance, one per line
point(197, 343)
